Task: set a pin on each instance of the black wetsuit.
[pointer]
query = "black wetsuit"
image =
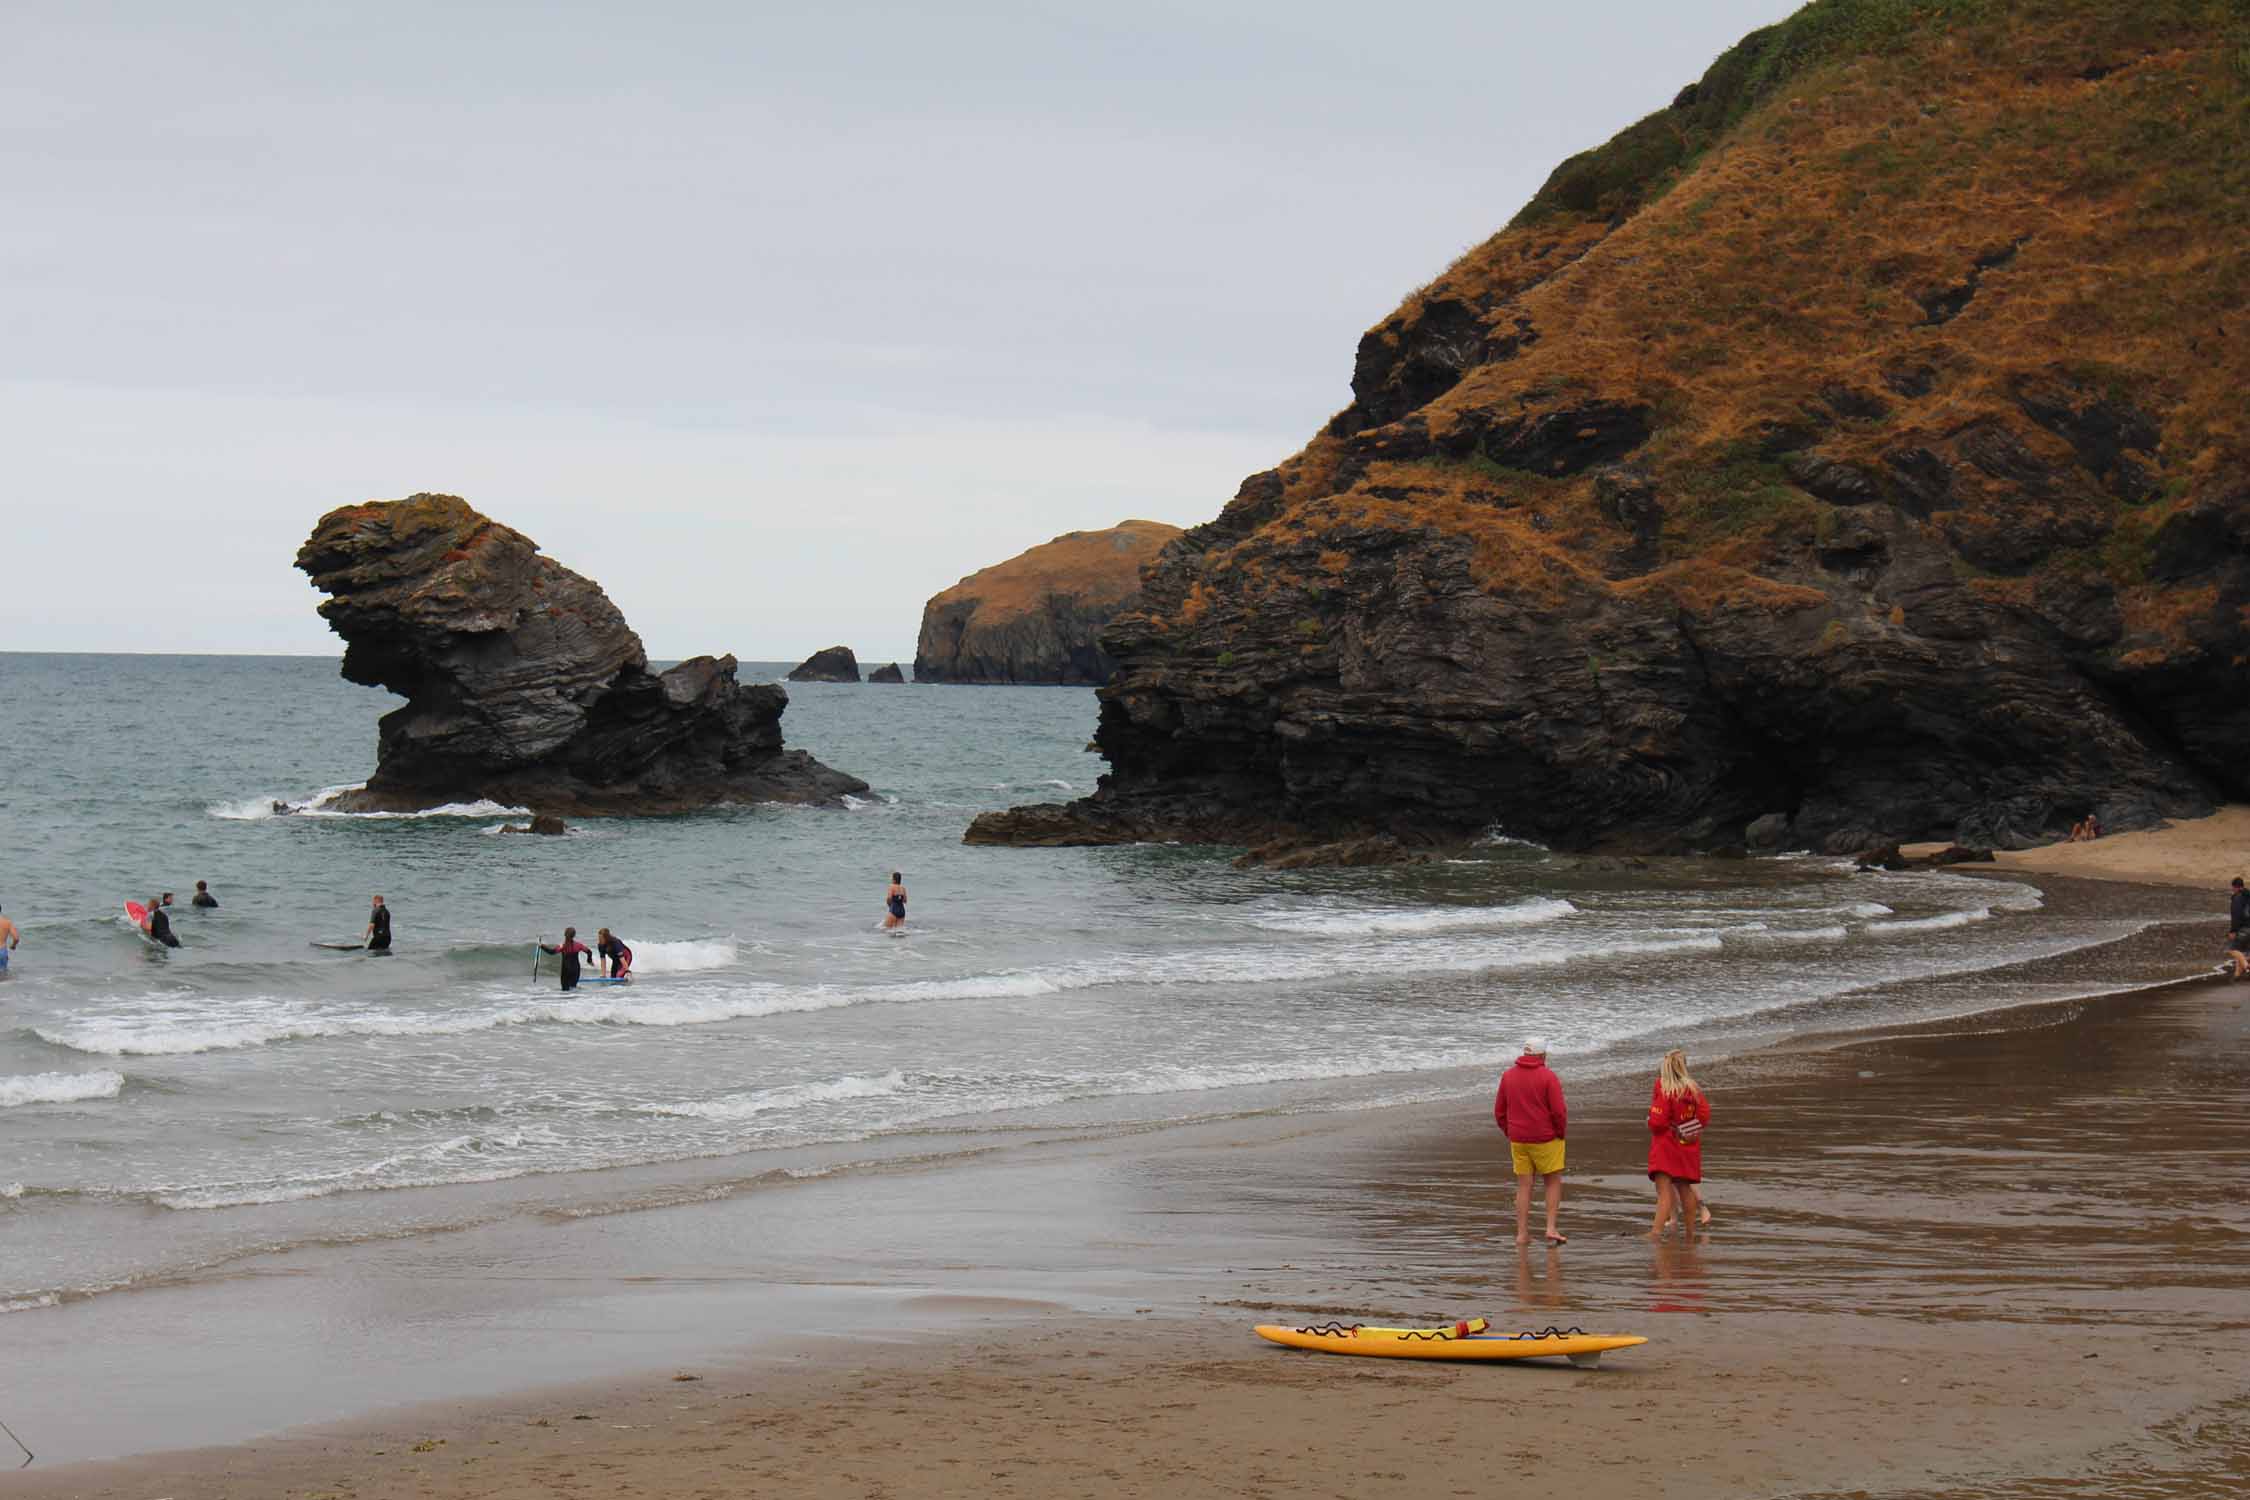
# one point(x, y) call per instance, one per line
point(2238, 920)
point(205, 898)
point(613, 948)
point(379, 930)
point(569, 952)
point(160, 927)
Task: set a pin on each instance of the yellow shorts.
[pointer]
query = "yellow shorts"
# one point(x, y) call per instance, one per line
point(1544, 1157)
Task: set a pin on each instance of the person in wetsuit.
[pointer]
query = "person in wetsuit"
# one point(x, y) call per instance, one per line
point(160, 925)
point(894, 903)
point(203, 896)
point(611, 948)
point(570, 950)
point(2238, 930)
point(377, 937)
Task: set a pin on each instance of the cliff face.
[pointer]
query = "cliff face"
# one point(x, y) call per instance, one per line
point(523, 682)
point(1861, 438)
point(1038, 617)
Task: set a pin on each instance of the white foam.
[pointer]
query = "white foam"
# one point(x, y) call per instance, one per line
point(58, 1088)
point(12, 1190)
point(257, 809)
point(791, 1096)
point(684, 957)
point(1375, 923)
point(1804, 935)
point(1931, 924)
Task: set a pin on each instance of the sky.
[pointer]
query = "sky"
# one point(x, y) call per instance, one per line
point(772, 319)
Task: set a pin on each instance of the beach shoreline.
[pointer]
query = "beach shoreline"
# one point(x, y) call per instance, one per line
point(1773, 1317)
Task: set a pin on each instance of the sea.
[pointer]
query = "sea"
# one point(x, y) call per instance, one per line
point(168, 1114)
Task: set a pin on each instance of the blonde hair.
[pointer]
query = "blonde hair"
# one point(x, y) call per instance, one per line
point(1673, 1077)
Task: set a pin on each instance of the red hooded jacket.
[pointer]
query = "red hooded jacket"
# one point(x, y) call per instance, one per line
point(1529, 1106)
point(1667, 1153)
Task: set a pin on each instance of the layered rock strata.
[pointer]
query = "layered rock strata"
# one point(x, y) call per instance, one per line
point(1852, 451)
point(524, 684)
point(1038, 617)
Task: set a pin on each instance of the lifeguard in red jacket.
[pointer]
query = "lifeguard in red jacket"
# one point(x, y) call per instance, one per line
point(1677, 1113)
point(1529, 1110)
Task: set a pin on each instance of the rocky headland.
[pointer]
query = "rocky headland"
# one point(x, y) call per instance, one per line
point(1038, 617)
point(1854, 450)
point(524, 684)
point(830, 664)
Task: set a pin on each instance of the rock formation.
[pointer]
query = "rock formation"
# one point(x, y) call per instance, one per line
point(891, 673)
point(1038, 617)
point(835, 664)
point(1853, 449)
point(523, 682)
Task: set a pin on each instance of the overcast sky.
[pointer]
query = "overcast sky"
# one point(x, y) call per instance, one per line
point(774, 320)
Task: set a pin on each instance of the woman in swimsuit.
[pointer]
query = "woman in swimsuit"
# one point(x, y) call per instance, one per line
point(894, 903)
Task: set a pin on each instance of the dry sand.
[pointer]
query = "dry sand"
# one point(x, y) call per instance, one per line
point(2201, 852)
point(2000, 1257)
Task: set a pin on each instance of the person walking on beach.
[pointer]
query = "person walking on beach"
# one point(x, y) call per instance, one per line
point(894, 903)
point(9, 937)
point(1529, 1110)
point(377, 937)
point(203, 897)
point(2238, 930)
point(570, 950)
point(1677, 1113)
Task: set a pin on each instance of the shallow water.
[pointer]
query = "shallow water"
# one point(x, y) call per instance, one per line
point(165, 1111)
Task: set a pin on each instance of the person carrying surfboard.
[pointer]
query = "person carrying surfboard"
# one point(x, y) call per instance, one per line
point(570, 950)
point(377, 937)
point(159, 926)
point(1529, 1110)
point(611, 949)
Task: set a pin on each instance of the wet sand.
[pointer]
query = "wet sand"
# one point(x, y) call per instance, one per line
point(1997, 1257)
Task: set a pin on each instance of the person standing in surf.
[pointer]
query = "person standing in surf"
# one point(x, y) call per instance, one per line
point(203, 898)
point(570, 950)
point(2238, 930)
point(159, 926)
point(9, 938)
point(894, 903)
point(612, 951)
point(377, 937)
point(1677, 1113)
point(1529, 1110)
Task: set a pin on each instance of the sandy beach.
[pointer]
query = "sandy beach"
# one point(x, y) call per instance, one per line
point(1998, 1256)
point(2201, 852)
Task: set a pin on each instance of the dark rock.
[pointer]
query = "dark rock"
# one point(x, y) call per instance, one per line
point(1922, 480)
point(1910, 380)
point(2104, 429)
point(2020, 822)
point(545, 824)
point(1943, 304)
point(1957, 855)
point(2201, 537)
point(1883, 857)
point(1569, 440)
point(834, 664)
point(1767, 834)
point(1845, 401)
point(891, 673)
point(523, 682)
point(1376, 849)
point(1837, 483)
point(1038, 617)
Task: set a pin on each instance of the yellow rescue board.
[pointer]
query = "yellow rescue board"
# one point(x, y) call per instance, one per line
point(1445, 1343)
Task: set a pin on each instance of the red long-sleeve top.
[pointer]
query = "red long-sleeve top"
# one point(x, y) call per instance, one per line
point(1667, 1153)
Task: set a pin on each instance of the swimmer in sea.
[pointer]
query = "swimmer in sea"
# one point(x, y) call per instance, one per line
point(9, 937)
point(894, 903)
point(611, 950)
point(570, 950)
point(203, 896)
point(160, 925)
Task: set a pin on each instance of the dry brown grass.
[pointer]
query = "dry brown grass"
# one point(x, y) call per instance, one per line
point(1100, 567)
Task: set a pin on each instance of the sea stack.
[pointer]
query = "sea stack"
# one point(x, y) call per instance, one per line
point(1038, 617)
point(1853, 448)
point(524, 684)
point(836, 664)
point(891, 673)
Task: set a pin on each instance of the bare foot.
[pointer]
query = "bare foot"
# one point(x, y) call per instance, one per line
point(1557, 1239)
point(1523, 1239)
point(1705, 1221)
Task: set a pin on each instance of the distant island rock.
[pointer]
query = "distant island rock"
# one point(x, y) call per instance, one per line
point(524, 684)
point(1831, 454)
point(1038, 617)
point(891, 673)
point(836, 664)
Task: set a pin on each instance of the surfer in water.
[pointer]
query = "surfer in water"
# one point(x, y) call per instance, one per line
point(9, 937)
point(203, 897)
point(612, 951)
point(377, 937)
point(159, 925)
point(570, 950)
point(894, 903)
